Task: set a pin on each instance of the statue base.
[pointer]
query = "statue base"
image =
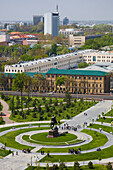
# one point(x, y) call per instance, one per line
point(53, 133)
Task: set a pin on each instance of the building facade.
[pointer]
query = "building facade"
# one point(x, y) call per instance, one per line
point(4, 37)
point(65, 21)
point(65, 61)
point(70, 31)
point(79, 81)
point(51, 24)
point(80, 40)
point(98, 56)
point(37, 19)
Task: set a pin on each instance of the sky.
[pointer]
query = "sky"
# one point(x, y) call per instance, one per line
point(73, 9)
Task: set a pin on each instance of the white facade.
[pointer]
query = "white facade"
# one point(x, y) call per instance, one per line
point(4, 37)
point(98, 56)
point(43, 65)
point(66, 32)
point(51, 24)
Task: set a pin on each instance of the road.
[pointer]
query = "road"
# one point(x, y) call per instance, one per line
point(62, 95)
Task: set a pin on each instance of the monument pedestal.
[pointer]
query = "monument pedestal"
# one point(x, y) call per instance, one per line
point(53, 133)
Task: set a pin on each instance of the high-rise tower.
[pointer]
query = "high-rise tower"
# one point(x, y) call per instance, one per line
point(51, 23)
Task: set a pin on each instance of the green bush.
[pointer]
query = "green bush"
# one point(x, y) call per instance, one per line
point(90, 165)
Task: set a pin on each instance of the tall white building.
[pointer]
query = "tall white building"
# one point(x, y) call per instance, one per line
point(51, 23)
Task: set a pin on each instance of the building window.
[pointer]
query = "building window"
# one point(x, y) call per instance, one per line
point(96, 78)
point(48, 75)
point(94, 58)
point(79, 77)
point(100, 85)
point(89, 85)
point(92, 78)
point(92, 85)
point(96, 85)
point(89, 78)
point(84, 78)
point(52, 76)
point(100, 78)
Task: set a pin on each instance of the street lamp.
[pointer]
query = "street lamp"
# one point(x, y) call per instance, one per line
point(77, 87)
point(24, 112)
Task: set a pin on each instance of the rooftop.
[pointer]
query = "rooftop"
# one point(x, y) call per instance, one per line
point(55, 58)
point(77, 72)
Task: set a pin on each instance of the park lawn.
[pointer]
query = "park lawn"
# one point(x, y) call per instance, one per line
point(9, 138)
point(98, 140)
point(110, 113)
point(41, 138)
point(26, 138)
point(39, 101)
point(63, 138)
point(106, 120)
point(61, 111)
point(96, 167)
point(4, 153)
point(105, 128)
point(26, 125)
point(105, 153)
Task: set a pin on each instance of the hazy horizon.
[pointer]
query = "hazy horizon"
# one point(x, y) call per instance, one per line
point(12, 10)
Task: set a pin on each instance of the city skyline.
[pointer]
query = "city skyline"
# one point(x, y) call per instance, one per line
point(73, 9)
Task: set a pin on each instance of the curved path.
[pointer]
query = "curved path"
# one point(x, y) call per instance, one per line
point(81, 136)
point(6, 111)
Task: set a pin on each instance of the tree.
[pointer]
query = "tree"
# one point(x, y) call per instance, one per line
point(3, 80)
point(90, 165)
point(54, 49)
point(60, 81)
point(76, 166)
point(28, 85)
point(68, 98)
point(82, 65)
point(39, 82)
point(18, 84)
point(109, 166)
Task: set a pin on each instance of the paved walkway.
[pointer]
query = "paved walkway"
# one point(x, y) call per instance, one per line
point(6, 111)
point(92, 113)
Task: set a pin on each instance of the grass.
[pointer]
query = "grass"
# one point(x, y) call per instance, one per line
point(61, 111)
point(105, 153)
point(4, 153)
point(98, 140)
point(62, 138)
point(103, 119)
point(9, 138)
point(110, 113)
point(26, 137)
point(95, 167)
point(105, 128)
point(26, 125)
point(41, 138)
point(39, 100)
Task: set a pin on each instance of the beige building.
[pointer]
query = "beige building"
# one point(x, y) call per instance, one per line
point(79, 81)
point(76, 40)
point(95, 56)
point(80, 40)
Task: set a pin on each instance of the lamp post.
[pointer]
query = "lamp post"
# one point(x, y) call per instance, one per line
point(24, 113)
point(77, 87)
